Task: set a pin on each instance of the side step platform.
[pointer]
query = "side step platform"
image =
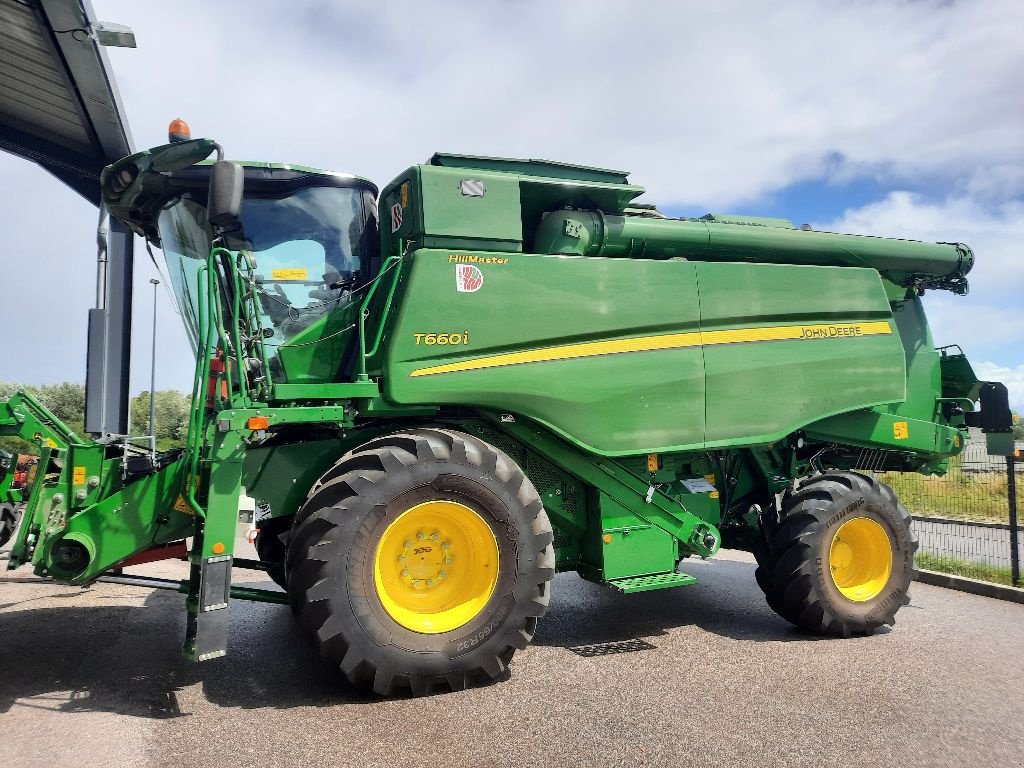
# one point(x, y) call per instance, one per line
point(647, 583)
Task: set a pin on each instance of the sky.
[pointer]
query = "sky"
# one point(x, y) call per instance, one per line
point(901, 119)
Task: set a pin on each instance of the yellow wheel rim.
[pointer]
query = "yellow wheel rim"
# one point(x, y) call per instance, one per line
point(860, 559)
point(436, 566)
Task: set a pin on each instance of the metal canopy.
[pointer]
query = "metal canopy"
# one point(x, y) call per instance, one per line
point(59, 106)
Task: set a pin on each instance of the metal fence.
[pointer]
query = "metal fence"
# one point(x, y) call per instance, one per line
point(966, 521)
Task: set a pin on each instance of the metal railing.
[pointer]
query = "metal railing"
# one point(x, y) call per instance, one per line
point(966, 521)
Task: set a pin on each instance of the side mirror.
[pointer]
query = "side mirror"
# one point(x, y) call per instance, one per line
point(224, 202)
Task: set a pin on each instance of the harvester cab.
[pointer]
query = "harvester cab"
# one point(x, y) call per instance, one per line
point(521, 371)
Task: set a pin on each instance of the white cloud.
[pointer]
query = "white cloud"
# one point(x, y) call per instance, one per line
point(708, 104)
point(1013, 378)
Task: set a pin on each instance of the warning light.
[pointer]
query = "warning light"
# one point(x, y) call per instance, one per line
point(607, 538)
point(257, 422)
point(178, 130)
point(218, 548)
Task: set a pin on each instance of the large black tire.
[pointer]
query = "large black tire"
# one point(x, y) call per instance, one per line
point(795, 569)
point(9, 518)
point(334, 542)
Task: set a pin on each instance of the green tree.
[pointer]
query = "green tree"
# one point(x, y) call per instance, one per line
point(172, 412)
point(66, 401)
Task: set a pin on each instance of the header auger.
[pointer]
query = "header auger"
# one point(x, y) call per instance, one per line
point(517, 370)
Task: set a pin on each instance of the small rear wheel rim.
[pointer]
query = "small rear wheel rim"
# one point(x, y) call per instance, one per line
point(436, 566)
point(860, 559)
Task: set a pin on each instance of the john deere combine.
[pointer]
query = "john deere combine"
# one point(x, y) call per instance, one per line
point(522, 372)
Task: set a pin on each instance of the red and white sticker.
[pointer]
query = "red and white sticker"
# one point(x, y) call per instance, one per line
point(396, 216)
point(468, 279)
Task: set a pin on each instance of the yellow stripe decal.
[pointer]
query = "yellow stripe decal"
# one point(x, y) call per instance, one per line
point(664, 341)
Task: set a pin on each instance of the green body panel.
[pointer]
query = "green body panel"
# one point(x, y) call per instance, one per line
point(614, 402)
point(924, 376)
point(801, 380)
point(628, 546)
point(280, 476)
point(957, 376)
point(79, 497)
point(610, 404)
point(125, 522)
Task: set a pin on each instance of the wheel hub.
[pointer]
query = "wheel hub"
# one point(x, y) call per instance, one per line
point(860, 559)
point(436, 566)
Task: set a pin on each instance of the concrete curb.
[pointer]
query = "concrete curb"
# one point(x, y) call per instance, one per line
point(975, 587)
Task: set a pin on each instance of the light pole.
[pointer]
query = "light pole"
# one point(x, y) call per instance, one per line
point(152, 378)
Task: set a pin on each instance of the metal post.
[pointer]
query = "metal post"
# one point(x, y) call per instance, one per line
point(152, 377)
point(108, 355)
point(1011, 494)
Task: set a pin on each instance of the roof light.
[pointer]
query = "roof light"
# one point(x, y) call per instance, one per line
point(178, 130)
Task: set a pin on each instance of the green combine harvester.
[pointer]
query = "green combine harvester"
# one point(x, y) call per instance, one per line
point(514, 371)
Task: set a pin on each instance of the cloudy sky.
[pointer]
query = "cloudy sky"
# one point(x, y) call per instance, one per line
point(892, 118)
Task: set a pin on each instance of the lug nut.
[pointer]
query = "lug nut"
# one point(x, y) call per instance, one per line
point(420, 536)
point(405, 572)
point(434, 537)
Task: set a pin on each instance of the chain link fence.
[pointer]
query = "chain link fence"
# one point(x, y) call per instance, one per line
point(963, 520)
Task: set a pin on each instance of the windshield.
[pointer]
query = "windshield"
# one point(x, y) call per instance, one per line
point(308, 248)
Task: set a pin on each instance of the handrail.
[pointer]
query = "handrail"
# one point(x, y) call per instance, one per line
point(196, 431)
point(364, 310)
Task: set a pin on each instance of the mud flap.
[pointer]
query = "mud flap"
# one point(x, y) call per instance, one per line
point(207, 627)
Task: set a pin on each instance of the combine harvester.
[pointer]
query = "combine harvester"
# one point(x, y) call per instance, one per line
point(523, 372)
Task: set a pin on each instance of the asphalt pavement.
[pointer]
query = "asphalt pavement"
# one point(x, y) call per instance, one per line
point(698, 675)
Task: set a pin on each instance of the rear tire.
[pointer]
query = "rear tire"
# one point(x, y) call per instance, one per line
point(361, 605)
point(841, 559)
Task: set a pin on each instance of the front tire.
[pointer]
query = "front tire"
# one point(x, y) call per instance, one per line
point(841, 559)
point(421, 559)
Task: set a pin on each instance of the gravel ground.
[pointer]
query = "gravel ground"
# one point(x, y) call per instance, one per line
point(700, 675)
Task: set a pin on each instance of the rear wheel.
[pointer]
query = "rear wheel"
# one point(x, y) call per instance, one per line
point(841, 559)
point(421, 559)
